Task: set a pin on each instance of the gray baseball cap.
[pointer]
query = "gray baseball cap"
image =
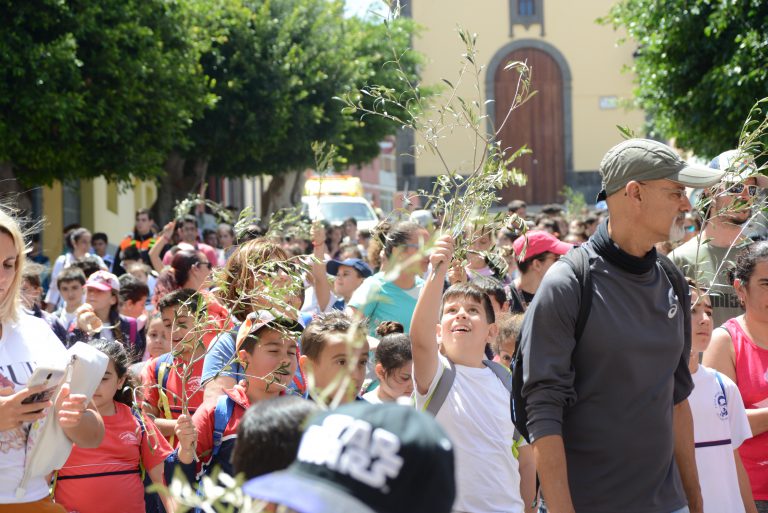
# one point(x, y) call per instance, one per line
point(644, 159)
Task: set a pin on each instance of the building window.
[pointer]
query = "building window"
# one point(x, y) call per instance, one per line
point(112, 194)
point(526, 13)
point(526, 7)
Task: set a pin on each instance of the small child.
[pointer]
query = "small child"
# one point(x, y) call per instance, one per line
point(70, 282)
point(720, 422)
point(476, 411)
point(99, 317)
point(109, 477)
point(504, 345)
point(185, 321)
point(157, 343)
point(326, 351)
point(394, 364)
point(31, 296)
point(133, 298)
point(267, 348)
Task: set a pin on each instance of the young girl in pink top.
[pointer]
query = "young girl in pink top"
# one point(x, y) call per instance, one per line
point(739, 349)
point(109, 477)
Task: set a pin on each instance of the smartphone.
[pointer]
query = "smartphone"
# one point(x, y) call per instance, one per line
point(50, 378)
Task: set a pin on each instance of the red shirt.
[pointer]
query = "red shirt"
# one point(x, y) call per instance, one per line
point(124, 445)
point(204, 424)
point(173, 386)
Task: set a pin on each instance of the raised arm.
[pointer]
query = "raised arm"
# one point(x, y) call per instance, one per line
point(426, 315)
point(319, 274)
point(161, 242)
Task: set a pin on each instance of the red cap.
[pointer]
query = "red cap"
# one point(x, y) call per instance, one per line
point(538, 242)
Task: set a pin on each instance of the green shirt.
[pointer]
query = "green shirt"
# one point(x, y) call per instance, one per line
point(380, 300)
point(710, 266)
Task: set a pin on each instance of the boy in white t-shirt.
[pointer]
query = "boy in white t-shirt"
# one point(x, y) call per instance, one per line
point(720, 422)
point(476, 412)
point(70, 282)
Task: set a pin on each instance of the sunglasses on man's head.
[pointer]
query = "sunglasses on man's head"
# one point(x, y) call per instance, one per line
point(738, 188)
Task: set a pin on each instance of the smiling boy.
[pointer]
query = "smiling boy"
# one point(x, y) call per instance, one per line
point(266, 346)
point(476, 410)
point(162, 377)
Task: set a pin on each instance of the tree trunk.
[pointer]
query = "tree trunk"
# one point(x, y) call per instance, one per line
point(13, 194)
point(284, 191)
point(180, 179)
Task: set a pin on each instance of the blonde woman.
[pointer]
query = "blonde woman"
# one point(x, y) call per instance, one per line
point(25, 343)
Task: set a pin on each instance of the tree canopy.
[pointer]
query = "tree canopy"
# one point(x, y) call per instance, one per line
point(95, 88)
point(113, 88)
point(700, 66)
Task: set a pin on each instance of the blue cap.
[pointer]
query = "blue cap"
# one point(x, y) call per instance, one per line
point(332, 267)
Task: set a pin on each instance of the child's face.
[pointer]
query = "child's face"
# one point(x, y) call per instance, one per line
point(100, 247)
point(179, 327)
point(464, 329)
point(157, 343)
point(335, 357)
point(398, 382)
point(506, 350)
point(110, 384)
point(347, 281)
point(72, 292)
point(132, 308)
point(701, 322)
point(271, 365)
point(30, 294)
point(100, 300)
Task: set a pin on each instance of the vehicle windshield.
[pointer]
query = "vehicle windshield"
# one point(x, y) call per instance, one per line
point(338, 212)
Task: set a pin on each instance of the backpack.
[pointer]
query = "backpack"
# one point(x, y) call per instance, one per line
point(578, 260)
point(163, 368)
point(444, 384)
point(221, 415)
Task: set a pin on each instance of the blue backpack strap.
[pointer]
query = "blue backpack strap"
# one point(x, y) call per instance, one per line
point(221, 415)
point(162, 365)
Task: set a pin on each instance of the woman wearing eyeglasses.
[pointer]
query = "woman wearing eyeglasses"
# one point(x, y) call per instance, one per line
point(707, 258)
point(189, 269)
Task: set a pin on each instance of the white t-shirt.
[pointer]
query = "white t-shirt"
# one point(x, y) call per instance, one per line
point(477, 418)
point(715, 420)
point(23, 346)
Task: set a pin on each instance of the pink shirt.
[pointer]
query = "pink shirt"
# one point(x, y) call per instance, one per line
point(752, 380)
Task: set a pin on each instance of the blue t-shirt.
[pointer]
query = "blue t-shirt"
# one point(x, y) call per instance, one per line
point(381, 300)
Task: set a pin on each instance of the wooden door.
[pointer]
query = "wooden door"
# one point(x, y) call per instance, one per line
point(538, 124)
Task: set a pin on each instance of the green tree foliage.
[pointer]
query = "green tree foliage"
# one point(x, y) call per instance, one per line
point(700, 66)
point(92, 89)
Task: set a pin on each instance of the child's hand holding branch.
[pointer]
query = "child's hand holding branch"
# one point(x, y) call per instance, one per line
point(187, 434)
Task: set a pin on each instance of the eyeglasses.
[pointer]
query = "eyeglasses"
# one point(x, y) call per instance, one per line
point(678, 194)
point(204, 264)
point(738, 188)
point(690, 228)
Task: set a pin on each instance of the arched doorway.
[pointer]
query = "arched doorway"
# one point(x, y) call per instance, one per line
point(540, 123)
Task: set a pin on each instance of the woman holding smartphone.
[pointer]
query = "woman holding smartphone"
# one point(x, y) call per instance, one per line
point(25, 343)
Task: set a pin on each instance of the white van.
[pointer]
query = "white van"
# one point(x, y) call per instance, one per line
point(335, 209)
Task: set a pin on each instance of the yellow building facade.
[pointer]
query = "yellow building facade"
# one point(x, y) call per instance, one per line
point(96, 204)
point(583, 92)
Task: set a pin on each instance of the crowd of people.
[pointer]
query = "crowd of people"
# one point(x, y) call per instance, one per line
point(556, 368)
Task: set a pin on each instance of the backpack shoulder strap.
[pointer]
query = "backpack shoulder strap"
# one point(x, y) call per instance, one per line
point(501, 372)
point(221, 415)
point(162, 365)
point(578, 260)
point(140, 420)
point(440, 393)
point(133, 327)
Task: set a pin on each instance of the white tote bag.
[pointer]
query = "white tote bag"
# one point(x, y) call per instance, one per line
point(47, 446)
